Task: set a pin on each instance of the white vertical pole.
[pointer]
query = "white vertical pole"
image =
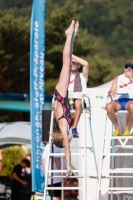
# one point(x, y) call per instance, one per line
point(85, 163)
point(62, 182)
point(47, 164)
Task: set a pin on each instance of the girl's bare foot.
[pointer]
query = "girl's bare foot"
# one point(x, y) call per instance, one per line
point(76, 26)
point(70, 30)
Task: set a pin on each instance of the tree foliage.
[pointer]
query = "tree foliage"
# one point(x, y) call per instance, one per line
point(111, 20)
point(55, 38)
point(104, 40)
point(4, 5)
point(11, 157)
point(14, 52)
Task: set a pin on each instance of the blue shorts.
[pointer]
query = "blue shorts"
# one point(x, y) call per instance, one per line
point(123, 102)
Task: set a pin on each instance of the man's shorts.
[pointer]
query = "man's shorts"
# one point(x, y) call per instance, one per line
point(55, 193)
point(123, 102)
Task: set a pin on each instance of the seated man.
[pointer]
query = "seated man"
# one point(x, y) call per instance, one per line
point(77, 85)
point(122, 84)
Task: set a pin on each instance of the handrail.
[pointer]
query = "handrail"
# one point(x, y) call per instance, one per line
point(83, 100)
point(110, 96)
point(89, 102)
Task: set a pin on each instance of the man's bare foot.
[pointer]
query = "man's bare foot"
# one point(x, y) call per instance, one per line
point(76, 27)
point(69, 31)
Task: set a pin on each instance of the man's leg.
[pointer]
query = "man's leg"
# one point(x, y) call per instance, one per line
point(56, 198)
point(129, 108)
point(78, 110)
point(57, 193)
point(113, 107)
point(16, 194)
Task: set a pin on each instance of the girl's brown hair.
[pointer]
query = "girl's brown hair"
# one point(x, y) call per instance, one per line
point(57, 139)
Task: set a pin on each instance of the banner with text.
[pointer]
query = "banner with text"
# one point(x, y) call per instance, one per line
point(37, 56)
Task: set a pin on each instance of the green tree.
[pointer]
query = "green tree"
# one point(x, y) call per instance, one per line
point(4, 5)
point(101, 36)
point(11, 157)
point(14, 53)
point(101, 71)
point(55, 38)
point(112, 21)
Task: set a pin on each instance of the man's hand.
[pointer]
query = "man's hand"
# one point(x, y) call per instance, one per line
point(0, 155)
point(129, 73)
point(112, 93)
point(24, 183)
point(84, 63)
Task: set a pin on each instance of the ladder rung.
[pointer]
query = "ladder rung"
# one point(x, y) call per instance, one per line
point(64, 188)
point(117, 188)
point(94, 177)
point(119, 137)
point(63, 154)
point(81, 147)
point(65, 177)
point(123, 146)
point(120, 171)
point(118, 154)
point(57, 171)
point(111, 177)
point(119, 192)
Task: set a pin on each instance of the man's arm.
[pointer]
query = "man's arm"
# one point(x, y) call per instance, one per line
point(112, 90)
point(44, 156)
point(57, 159)
point(15, 176)
point(84, 63)
point(57, 162)
point(43, 164)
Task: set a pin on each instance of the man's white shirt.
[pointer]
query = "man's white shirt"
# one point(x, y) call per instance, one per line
point(77, 95)
point(124, 87)
point(45, 156)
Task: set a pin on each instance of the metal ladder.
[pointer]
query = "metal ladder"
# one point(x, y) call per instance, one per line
point(82, 154)
point(112, 153)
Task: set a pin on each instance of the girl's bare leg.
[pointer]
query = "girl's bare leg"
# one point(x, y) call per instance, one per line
point(64, 78)
point(62, 87)
point(64, 129)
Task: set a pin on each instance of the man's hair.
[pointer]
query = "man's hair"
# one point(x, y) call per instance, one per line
point(129, 62)
point(26, 161)
point(28, 155)
point(57, 139)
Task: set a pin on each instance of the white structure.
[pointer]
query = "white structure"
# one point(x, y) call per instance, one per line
point(15, 133)
point(101, 128)
point(79, 154)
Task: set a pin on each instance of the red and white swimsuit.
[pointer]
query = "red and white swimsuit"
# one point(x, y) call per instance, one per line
point(65, 106)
